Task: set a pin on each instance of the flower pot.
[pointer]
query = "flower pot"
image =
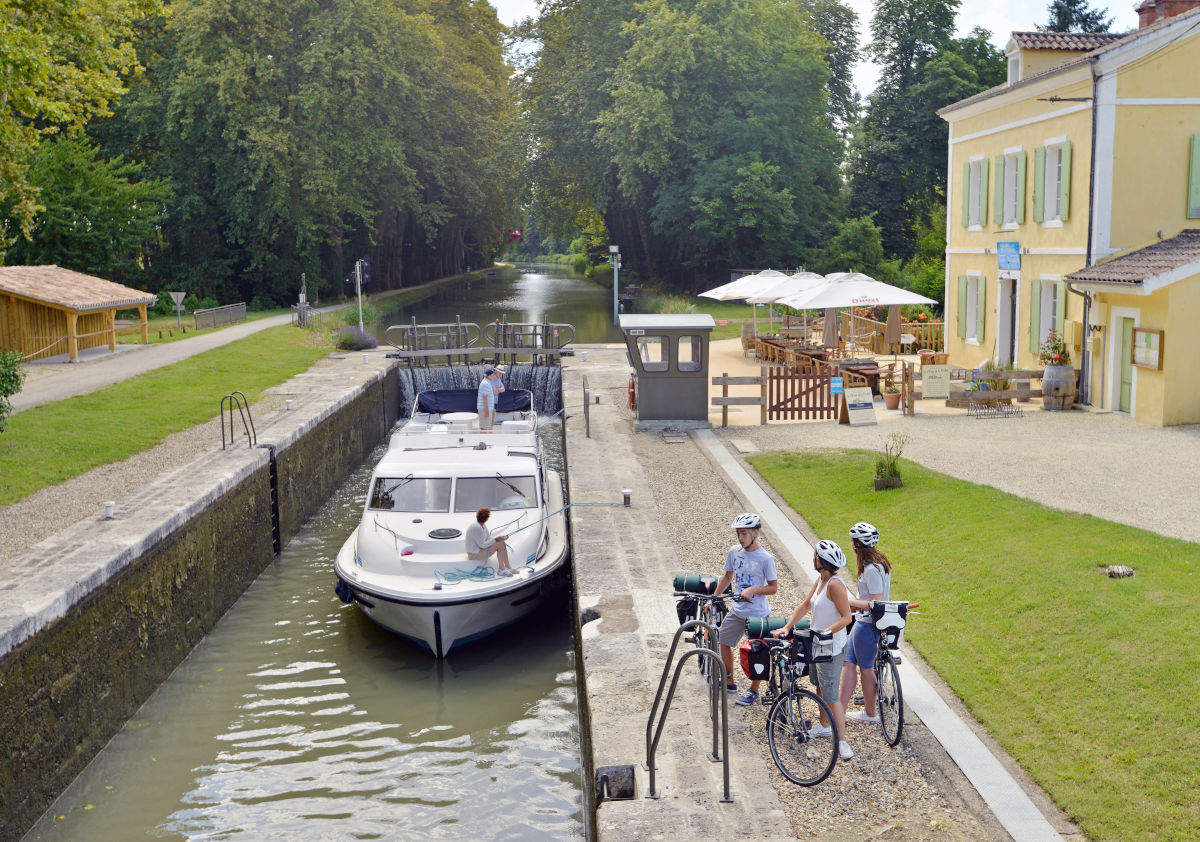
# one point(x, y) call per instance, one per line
point(1058, 387)
point(888, 482)
point(891, 400)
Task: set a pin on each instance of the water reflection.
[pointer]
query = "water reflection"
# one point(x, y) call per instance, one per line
point(298, 718)
point(526, 294)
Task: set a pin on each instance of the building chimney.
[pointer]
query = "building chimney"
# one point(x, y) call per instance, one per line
point(1152, 11)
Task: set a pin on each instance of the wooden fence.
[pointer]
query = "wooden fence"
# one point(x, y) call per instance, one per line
point(784, 394)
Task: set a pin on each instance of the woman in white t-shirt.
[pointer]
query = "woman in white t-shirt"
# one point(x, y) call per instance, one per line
point(874, 583)
point(828, 599)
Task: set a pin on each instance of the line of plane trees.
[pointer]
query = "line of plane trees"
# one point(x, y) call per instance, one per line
point(228, 147)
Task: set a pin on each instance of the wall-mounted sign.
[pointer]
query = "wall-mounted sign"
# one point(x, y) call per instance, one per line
point(1008, 255)
point(858, 407)
point(835, 385)
point(636, 331)
point(908, 338)
point(935, 381)
point(1147, 348)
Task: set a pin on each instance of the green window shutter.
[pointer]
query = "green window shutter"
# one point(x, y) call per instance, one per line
point(966, 195)
point(983, 186)
point(1193, 197)
point(1021, 187)
point(1039, 183)
point(980, 309)
point(1064, 190)
point(998, 192)
point(1035, 315)
point(962, 307)
point(1061, 309)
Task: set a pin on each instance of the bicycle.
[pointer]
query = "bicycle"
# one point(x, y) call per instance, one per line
point(709, 608)
point(802, 758)
point(889, 618)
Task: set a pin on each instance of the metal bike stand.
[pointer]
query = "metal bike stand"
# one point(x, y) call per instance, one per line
point(717, 673)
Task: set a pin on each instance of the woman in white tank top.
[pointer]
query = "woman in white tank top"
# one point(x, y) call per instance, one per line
point(830, 604)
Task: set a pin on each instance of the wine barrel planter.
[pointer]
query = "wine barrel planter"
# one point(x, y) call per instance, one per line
point(1058, 387)
point(884, 483)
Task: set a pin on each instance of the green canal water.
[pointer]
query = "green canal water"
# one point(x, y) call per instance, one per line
point(299, 719)
point(533, 294)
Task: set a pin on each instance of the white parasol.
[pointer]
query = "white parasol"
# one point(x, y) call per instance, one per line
point(851, 289)
point(790, 285)
point(745, 287)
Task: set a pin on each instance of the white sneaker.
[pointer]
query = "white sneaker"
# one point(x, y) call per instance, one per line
point(844, 750)
point(820, 731)
point(861, 716)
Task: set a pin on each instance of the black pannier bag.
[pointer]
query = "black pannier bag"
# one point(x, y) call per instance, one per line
point(686, 608)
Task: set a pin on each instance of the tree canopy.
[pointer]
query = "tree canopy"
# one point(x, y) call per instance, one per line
point(700, 130)
point(1076, 16)
point(63, 64)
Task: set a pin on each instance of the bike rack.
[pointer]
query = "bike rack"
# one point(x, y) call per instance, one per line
point(238, 400)
point(716, 684)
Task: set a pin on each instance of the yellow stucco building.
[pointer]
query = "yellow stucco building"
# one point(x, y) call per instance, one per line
point(1074, 205)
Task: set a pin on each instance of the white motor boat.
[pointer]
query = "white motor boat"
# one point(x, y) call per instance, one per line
point(406, 562)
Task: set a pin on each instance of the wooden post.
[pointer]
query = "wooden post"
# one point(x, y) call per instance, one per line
point(763, 419)
point(145, 325)
point(724, 394)
point(112, 330)
point(72, 338)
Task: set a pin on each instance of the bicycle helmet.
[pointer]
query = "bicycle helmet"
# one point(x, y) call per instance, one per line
point(865, 534)
point(830, 553)
point(748, 520)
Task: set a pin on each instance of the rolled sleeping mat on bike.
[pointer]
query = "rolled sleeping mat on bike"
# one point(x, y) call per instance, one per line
point(756, 660)
point(696, 583)
point(760, 627)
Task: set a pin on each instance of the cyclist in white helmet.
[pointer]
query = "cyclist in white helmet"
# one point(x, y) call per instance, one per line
point(829, 601)
point(752, 570)
point(874, 582)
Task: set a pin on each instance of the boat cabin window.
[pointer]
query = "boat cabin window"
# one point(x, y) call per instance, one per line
point(408, 494)
point(497, 493)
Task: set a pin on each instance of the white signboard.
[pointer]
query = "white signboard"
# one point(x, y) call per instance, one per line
point(858, 407)
point(935, 381)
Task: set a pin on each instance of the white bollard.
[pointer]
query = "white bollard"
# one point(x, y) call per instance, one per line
point(289, 405)
point(108, 509)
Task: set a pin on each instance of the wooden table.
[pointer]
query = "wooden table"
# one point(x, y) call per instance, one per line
point(869, 370)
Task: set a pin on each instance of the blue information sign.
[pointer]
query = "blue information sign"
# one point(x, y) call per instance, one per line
point(1008, 255)
point(835, 385)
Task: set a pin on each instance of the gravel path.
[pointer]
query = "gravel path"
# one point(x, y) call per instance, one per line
point(882, 793)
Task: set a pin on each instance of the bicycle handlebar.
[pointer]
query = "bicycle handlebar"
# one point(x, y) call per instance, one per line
point(709, 596)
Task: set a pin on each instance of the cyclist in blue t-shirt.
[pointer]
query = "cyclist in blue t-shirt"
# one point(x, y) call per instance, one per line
point(752, 571)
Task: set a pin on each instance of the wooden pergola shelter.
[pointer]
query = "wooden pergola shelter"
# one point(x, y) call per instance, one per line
point(47, 310)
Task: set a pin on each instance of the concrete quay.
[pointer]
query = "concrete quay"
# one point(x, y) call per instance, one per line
point(95, 617)
point(623, 560)
point(621, 563)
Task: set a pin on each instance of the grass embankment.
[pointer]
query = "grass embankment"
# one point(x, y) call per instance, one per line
point(49, 444)
point(166, 328)
point(1087, 681)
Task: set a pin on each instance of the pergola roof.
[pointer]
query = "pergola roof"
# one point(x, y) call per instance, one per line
point(68, 290)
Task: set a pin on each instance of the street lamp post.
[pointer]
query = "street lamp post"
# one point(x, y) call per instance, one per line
point(614, 257)
point(358, 291)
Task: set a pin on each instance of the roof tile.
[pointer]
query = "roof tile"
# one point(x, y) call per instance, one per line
point(1136, 266)
point(1085, 41)
point(65, 288)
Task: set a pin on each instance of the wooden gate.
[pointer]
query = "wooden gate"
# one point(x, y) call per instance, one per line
point(796, 394)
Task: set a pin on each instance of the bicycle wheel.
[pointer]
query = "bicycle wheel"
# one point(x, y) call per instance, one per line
point(803, 759)
point(890, 698)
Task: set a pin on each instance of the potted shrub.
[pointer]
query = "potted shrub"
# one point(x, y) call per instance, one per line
point(891, 396)
point(887, 463)
point(1058, 380)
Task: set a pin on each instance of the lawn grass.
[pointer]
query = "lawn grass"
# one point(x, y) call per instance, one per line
point(1086, 681)
point(49, 444)
point(166, 328)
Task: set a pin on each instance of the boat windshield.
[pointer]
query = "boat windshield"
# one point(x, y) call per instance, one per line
point(406, 494)
point(495, 492)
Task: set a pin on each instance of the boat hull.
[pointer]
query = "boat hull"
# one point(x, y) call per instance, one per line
point(442, 623)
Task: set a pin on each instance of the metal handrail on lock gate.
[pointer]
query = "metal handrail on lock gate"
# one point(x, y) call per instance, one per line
point(717, 679)
point(237, 400)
